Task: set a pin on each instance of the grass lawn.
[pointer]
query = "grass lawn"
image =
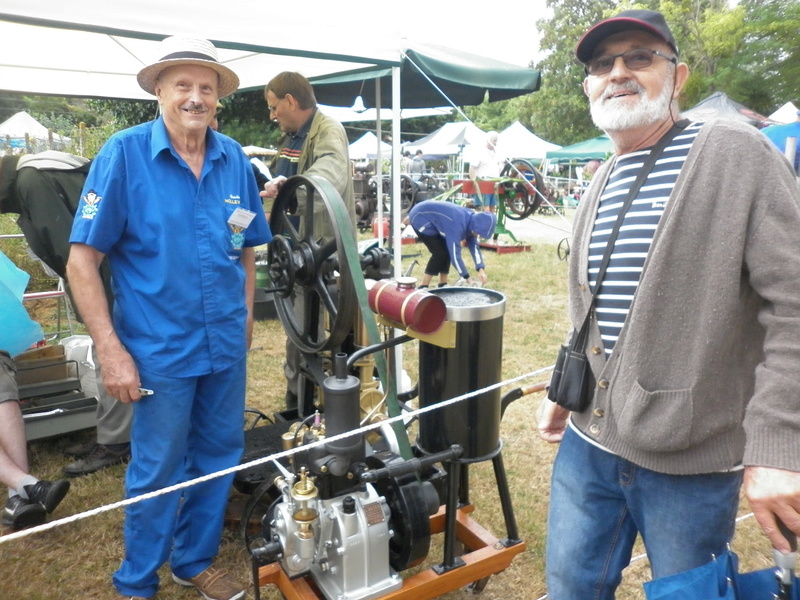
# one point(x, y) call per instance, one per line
point(76, 560)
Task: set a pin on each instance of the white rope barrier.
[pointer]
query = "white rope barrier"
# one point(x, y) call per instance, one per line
point(286, 453)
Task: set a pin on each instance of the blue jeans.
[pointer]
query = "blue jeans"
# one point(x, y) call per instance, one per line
point(599, 502)
point(488, 200)
point(189, 427)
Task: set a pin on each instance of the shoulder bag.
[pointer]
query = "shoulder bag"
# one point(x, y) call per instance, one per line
point(572, 383)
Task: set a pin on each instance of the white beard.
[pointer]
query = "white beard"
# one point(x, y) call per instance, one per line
point(615, 116)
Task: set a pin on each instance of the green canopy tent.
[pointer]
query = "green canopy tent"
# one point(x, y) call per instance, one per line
point(430, 76)
point(594, 149)
point(598, 148)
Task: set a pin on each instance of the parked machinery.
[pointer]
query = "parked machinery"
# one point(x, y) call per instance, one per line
point(353, 510)
point(523, 197)
point(365, 186)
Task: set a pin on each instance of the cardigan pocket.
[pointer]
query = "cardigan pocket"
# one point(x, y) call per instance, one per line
point(657, 421)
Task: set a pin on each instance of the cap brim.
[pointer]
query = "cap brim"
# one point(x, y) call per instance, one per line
point(590, 40)
point(228, 80)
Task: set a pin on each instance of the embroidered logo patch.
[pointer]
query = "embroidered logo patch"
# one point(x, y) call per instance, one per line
point(90, 205)
point(237, 236)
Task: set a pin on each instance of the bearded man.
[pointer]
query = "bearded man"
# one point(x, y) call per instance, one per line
point(693, 329)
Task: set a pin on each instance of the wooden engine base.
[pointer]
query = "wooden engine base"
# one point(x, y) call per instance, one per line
point(485, 555)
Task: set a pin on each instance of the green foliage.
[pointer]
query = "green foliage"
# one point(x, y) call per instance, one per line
point(770, 55)
point(559, 110)
point(125, 113)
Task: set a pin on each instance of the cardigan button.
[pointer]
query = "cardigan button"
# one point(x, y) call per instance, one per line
point(596, 350)
point(594, 429)
point(599, 412)
point(582, 287)
point(603, 384)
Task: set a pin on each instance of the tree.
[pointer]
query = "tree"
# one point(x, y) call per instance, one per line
point(770, 54)
point(558, 111)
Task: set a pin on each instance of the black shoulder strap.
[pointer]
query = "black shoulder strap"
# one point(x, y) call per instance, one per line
point(647, 167)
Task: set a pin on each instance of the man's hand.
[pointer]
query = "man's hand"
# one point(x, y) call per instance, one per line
point(482, 276)
point(774, 493)
point(120, 375)
point(552, 421)
point(272, 187)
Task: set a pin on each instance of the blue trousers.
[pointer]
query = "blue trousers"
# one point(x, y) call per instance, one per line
point(188, 428)
point(598, 504)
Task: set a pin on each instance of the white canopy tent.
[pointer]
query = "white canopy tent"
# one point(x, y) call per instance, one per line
point(516, 141)
point(785, 114)
point(365, 147)
point(449, 139)
point(95, 48)
point(22, 128)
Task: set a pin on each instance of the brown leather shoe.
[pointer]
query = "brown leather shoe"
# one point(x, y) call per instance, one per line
point(214, 584)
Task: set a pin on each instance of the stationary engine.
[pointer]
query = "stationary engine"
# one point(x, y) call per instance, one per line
point(349, 515)
point(354, 509)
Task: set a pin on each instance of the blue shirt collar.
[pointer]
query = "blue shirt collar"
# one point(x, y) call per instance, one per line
point(160, 141)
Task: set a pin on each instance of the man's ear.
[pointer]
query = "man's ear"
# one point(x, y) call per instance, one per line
point(681, 75)
point(586, 86)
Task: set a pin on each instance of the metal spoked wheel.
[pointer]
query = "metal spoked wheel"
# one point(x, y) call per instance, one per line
point(521, 198)
point(408, 193)
point(310, 226)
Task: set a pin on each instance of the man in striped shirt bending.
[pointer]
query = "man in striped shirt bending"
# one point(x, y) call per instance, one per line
point(694, 333)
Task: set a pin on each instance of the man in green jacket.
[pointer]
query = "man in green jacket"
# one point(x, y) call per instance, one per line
point(313, 144)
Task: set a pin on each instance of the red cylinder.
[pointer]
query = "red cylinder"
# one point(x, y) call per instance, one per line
point(400, 301)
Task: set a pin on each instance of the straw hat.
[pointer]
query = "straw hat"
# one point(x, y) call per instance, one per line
point(178, 50)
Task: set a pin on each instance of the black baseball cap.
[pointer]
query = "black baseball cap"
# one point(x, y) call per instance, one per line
point(643, 20)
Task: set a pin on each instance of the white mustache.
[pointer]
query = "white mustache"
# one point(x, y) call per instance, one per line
point(629, 86)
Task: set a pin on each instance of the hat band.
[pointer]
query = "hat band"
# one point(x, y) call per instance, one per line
point(190, 55)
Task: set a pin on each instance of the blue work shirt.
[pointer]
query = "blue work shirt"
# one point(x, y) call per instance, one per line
point(177, 275)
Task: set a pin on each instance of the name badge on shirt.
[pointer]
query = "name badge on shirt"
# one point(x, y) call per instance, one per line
point(241, 218)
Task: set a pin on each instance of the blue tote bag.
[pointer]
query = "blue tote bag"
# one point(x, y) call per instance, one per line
point(720, 580)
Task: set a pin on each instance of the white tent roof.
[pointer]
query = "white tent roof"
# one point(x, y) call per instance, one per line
point(785, 114)
point(95, 47)
point(516, 141)
point(366, 146)
point(448, 140)
point(21, 124)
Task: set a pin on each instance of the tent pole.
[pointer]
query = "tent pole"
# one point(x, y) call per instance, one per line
point(394, 229)
point(379, 162)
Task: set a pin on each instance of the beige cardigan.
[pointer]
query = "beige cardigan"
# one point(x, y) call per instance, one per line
point(706, 372)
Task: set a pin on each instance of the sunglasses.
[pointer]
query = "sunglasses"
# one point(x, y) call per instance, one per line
point(635, 60)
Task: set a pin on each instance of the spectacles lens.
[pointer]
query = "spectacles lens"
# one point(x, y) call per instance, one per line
point(638, 59)
point(601, 65)
point(633, 59)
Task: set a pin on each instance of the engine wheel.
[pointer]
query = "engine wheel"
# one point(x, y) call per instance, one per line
point(521, 198)
point(410, 520)
point(307, 259)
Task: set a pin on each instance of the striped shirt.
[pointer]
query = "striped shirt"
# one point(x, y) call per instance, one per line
point(636, 232)
point(289, 154)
